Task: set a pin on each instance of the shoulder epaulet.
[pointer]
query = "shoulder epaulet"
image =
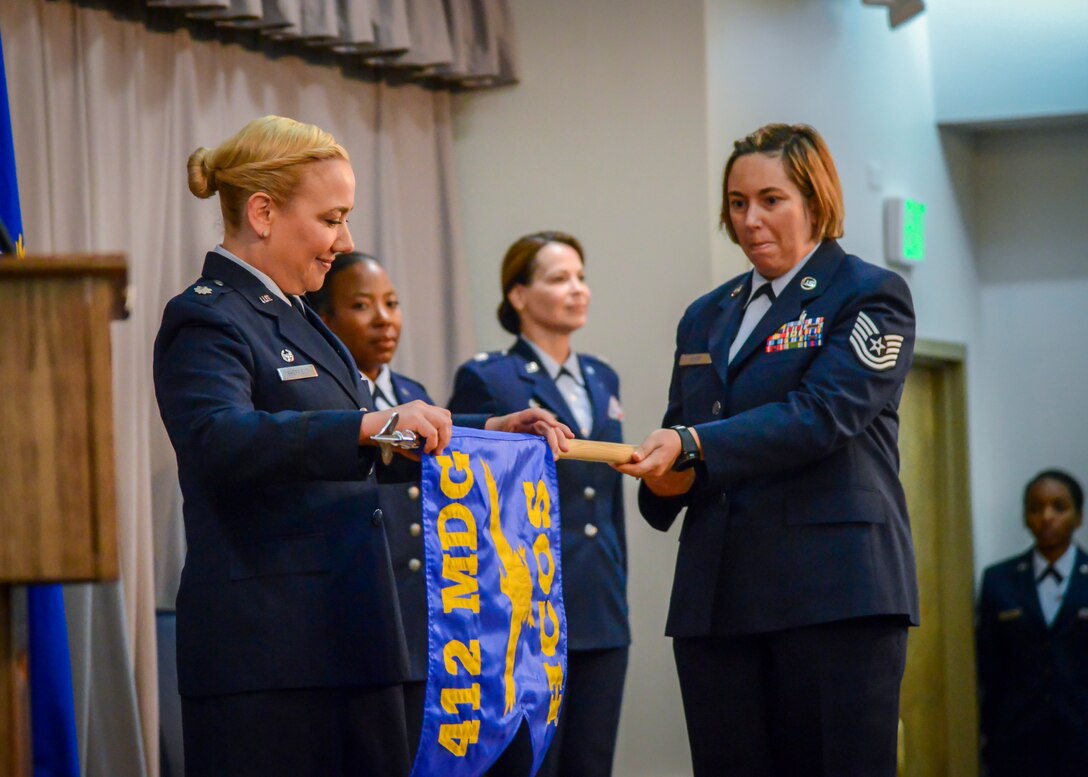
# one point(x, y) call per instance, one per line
point(206, 289)
point(485, 356)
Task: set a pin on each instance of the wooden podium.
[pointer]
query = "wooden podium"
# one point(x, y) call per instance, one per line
point(57, 488)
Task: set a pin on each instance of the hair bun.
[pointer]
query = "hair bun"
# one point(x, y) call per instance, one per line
point(202, 181)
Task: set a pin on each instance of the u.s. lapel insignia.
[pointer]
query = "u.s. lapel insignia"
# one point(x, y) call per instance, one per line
point(265, 298)
point(808, 283)
point(874, 350)
point(287, 355)
point(736, 291)
point(590, 370)
point(615, 410)
point(532, 367)
point(202, 290)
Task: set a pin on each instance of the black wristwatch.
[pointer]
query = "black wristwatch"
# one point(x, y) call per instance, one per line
point(689, 449)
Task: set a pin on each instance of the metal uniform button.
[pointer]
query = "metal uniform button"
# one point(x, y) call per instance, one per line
point(591, 530)
point(589, 493)
point(414, 564)
point(413, 493)
point(376, 518)
point(415, 530)
point(716, 408)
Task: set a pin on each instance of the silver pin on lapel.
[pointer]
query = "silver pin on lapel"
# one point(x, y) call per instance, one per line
point(532, 367)
point(265, 298)
point(736, 291)
point(287, 356)
point(808, 283)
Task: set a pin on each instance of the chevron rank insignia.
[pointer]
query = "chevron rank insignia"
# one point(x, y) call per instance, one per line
point(875, 350)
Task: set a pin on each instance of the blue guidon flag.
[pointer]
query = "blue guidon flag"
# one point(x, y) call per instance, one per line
point(497, 629)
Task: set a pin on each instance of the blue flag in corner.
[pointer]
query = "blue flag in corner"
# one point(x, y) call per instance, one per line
point(496, 625)
point(9, 185)
point(52, 705)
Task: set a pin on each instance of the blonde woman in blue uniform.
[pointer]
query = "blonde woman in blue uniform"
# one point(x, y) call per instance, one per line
point(545, 301)
point(291, 651)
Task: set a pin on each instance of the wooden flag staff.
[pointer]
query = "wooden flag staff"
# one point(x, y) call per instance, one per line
point(578, 450)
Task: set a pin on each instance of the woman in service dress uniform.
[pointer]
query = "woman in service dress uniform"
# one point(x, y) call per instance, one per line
point(360, 305)
point(795, 579)
point(545, 301)
point(290, 651)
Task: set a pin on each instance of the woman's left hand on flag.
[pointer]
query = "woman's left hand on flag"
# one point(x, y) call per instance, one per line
point(534, 420)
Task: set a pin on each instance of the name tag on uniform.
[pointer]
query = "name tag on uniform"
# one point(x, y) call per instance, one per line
point(298, 372)
point(1009, 615)
point(694, 359)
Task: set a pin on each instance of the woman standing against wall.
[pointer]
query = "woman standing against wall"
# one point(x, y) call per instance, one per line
point(545, 301)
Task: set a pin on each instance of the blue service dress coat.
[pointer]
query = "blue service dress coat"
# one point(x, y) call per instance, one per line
point(288, 581)
point(590, 495)
point(402, 512)
point(797, 516)
point(1033, 678)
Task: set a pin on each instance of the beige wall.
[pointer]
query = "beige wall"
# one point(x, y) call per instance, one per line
point(605, 137)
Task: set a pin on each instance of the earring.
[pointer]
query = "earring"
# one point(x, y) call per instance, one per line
point(265, 233)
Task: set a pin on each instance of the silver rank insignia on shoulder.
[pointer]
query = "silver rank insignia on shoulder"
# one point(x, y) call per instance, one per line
point(874, 350)
point(532, 367)
point(265, 298)
point(202, 290)
point(287, 355)
point(736, 291)
point(482, 356)
point(808, 283)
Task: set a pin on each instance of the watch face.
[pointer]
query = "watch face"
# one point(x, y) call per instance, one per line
point(685, 461)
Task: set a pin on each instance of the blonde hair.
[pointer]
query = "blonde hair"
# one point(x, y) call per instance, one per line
point(267, 156)
point(809, 166)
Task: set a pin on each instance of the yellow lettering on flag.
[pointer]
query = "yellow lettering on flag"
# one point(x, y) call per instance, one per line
point(459, 463)
point(456, 737)
point(455, 511)
point(470, 656)
point(452, 698)
point(463, 594)
point(540, 509)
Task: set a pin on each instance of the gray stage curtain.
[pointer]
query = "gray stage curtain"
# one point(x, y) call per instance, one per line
point(442, 44)
point(105, 113)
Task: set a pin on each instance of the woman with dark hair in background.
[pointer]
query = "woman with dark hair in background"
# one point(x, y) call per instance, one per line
point(545, 301)
point(359, 304)
point(1032, 642)
point(795, 579)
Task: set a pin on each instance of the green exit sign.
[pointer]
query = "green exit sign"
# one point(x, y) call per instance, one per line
point(904, 231)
